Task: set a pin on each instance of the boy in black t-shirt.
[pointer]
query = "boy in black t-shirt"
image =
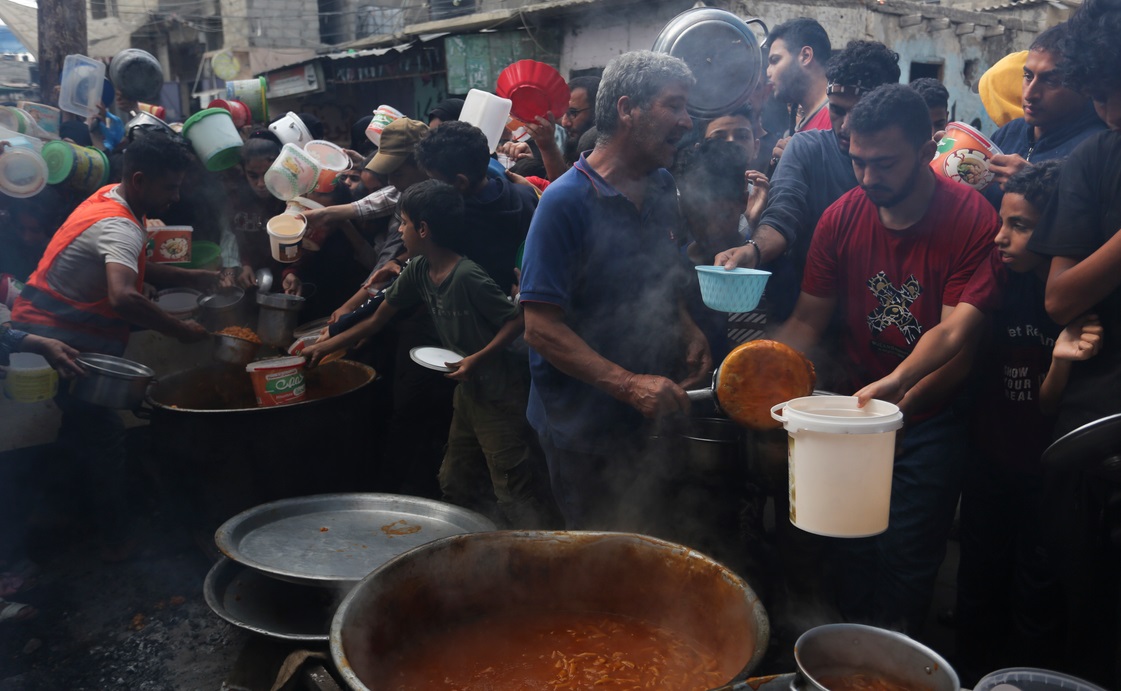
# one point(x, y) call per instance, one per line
point(474, 318)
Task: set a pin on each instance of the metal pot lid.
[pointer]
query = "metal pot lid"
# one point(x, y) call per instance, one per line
point(221, 300)
point(723, 54)
point(114, 366)
point(280, 301)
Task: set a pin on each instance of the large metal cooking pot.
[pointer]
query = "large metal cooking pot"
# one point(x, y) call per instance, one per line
point(225, 454)
point(111, 382)
point(837, 649)
point(464, 576)
point(722, 53)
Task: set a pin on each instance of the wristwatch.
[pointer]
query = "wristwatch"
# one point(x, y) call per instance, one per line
point(758, 252)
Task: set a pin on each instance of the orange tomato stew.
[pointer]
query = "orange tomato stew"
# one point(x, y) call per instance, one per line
point(550, 650)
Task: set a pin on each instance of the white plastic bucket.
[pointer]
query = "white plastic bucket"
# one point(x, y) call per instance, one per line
point(23, 171)
point(841, 460)
point(290, 129)
point(285, 233)
point(214, 138)
point(293, 173)
point(328, 155)
point(487, 112)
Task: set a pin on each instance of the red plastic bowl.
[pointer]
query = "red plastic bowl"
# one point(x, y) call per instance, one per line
point(534, 89)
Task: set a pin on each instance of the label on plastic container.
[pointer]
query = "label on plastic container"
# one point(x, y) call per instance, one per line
point(285, 386)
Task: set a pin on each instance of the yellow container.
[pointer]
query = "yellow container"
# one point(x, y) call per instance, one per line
point(30, 379)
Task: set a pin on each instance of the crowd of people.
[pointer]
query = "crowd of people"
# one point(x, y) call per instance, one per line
point(565, 282)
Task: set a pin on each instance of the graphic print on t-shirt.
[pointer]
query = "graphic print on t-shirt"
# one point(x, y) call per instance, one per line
point(895, 304)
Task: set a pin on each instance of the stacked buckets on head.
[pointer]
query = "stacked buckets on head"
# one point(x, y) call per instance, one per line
point(214, 137)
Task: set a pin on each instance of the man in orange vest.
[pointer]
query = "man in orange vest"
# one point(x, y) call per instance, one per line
point(88, 292)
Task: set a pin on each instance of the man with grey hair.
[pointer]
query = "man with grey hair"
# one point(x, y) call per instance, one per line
point(612, 345)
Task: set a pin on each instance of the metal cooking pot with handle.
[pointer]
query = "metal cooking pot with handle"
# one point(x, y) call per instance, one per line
point(721, 51)
point(840, 649)
point(111, 382)
point(458, 578)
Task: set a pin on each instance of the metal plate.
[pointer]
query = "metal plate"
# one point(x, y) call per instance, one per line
point(268, 606)
point(330, 539)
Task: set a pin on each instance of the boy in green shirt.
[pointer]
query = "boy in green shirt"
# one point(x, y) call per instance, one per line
point(474, 318)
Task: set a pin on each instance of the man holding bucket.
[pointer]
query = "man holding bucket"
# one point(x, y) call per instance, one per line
point(892, 258)
point(88, 292)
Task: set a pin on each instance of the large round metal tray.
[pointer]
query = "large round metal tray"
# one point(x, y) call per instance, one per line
point(1095, 446)
point(722, 53)
point(333, 539)
point(268, 606)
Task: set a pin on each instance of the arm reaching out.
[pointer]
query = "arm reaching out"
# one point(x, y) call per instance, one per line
point(1080, 340)
point(934, 349)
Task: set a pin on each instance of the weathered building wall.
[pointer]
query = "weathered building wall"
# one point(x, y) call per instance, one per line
point(958, 53)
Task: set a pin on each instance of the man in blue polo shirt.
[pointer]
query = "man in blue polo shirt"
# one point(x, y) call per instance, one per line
point(603, 291)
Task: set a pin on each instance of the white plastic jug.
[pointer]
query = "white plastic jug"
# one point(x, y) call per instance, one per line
point(285, 233)
point(487, 112)
point(841, 460)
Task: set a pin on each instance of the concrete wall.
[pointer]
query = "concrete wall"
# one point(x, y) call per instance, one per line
point(283, 23)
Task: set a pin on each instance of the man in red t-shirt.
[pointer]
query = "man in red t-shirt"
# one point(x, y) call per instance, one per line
point(894, 256)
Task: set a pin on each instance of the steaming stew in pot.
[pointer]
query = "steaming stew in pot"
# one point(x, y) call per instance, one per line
point(549, 650)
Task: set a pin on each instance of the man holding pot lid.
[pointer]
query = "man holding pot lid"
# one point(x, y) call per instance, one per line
point(603, 290)
point(88, 292)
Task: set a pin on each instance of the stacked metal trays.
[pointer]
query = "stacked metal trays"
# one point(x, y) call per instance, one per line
point(288, 563)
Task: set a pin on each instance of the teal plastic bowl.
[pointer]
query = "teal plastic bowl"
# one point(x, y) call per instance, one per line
point(738, 290)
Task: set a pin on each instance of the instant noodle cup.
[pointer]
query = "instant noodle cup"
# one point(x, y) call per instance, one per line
point(285, 233)
point(278, 381)
point(82, 167)
point(383, 116)
point(964, 155)
point(169, 244)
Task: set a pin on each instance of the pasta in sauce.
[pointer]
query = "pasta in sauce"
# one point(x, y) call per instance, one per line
point(550, 651)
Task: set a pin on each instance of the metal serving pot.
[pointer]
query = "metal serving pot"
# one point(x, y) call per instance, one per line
point(837, 649)
point(111, 382)
point(464, 576)
point(278, 317)
point(222, 309)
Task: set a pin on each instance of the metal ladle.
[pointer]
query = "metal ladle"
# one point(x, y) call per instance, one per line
point(264, 280)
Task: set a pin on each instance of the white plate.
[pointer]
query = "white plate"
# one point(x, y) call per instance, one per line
point(434, 358)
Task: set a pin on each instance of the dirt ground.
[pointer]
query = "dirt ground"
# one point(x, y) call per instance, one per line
point(138, 624)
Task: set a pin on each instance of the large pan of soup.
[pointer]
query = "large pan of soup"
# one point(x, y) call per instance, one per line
point(853, 657)
point(548, 610)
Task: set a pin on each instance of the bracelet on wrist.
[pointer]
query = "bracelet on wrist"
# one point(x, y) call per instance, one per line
point(758, 252)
